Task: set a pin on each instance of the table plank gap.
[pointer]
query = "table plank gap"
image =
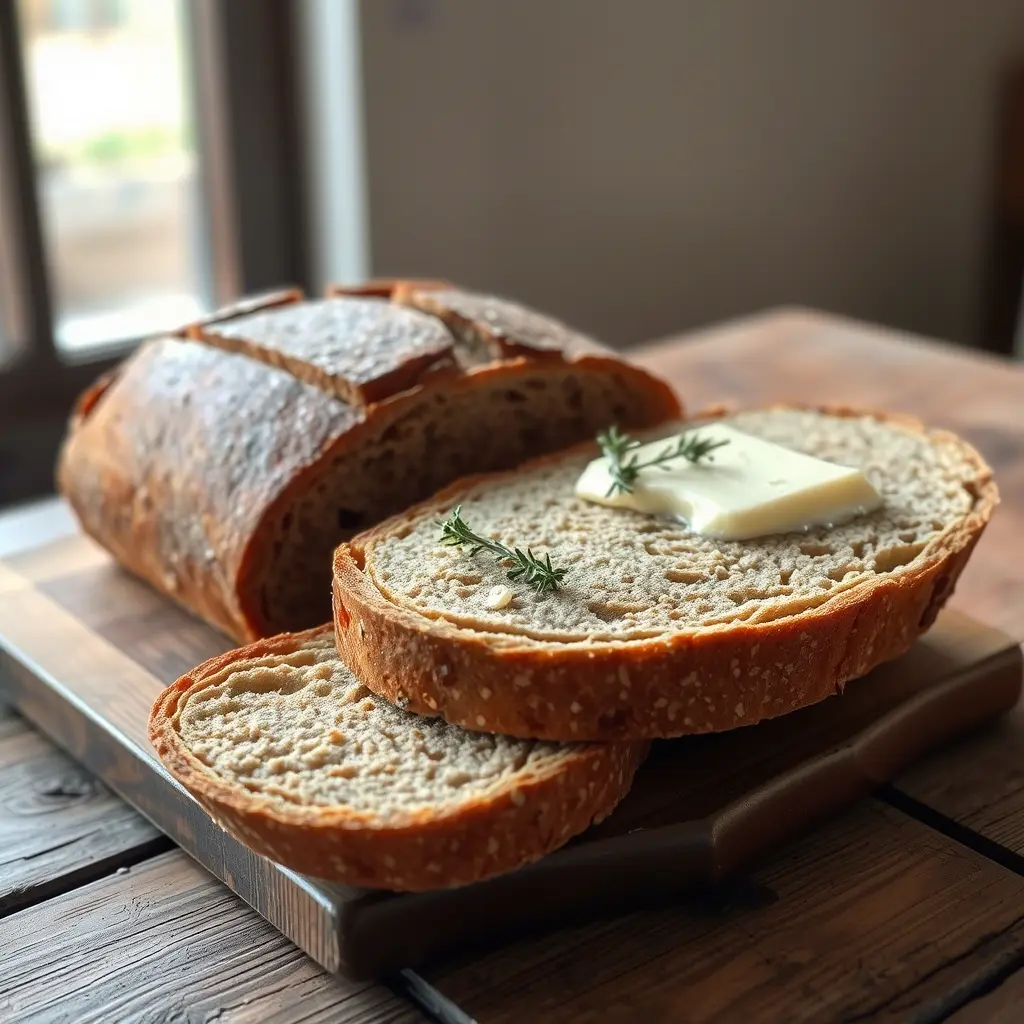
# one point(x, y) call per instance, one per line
point(61, 827)
point(1006, 857)
point(165, 940)
point(977, 782)
point(875, 917)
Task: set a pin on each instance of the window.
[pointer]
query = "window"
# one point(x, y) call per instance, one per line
point(116, 166)
point(150, 166)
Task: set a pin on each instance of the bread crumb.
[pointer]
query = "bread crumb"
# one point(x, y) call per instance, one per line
point(499, 597)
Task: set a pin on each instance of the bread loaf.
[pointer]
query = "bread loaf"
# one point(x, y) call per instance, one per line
point(225, 463)
point(656, 630)
point(296, 759)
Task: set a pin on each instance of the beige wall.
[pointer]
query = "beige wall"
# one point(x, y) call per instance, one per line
point(640, 166)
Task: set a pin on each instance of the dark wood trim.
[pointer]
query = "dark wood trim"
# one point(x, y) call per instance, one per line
point(211, 116)
point(34, 403)
point(1005, 285)
point(24, 287)
point(28, 391)
point(246, 110)
point(12, 315)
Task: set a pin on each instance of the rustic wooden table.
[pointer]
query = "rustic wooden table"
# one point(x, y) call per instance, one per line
point(910, 907)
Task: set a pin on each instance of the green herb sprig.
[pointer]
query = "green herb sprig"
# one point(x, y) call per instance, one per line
point(536, 572)
point(625, 468)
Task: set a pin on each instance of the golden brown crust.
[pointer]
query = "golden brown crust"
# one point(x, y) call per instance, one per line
point(362, 349)
point(90, 398)
point(174, 470)
point(501, 328)
point(703, 681)
point(510, 827)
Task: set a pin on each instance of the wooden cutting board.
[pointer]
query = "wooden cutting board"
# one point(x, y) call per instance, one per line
point(85, 648)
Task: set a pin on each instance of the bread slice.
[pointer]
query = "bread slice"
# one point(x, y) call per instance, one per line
point(293, 757)
point(657, 631)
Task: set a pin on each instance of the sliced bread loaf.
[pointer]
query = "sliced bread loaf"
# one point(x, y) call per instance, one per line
point(656, 630)
point(296, 759)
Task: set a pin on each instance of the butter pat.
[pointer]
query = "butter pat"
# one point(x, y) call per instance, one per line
point(746, 488)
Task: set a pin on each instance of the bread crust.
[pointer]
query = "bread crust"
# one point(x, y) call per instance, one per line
point(706, 680)
point(362, 349)
point(514, 824)
point(182, 459)
point(504, 329)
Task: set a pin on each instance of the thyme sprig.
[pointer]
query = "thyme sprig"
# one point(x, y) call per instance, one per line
point(625, 468)
point(536, 572)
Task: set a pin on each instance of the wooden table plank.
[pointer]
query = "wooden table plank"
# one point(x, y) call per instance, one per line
point(875, 918)
point(978, 782)
point(166, 941)
point(60, 827)
point(1000, 1006)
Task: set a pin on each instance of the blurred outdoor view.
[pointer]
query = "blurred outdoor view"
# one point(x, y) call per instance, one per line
point(116, 162)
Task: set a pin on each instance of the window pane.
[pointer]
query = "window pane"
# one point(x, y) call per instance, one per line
point(117, 168)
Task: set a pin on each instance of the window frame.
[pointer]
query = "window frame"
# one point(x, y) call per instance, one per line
point(244, 94)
